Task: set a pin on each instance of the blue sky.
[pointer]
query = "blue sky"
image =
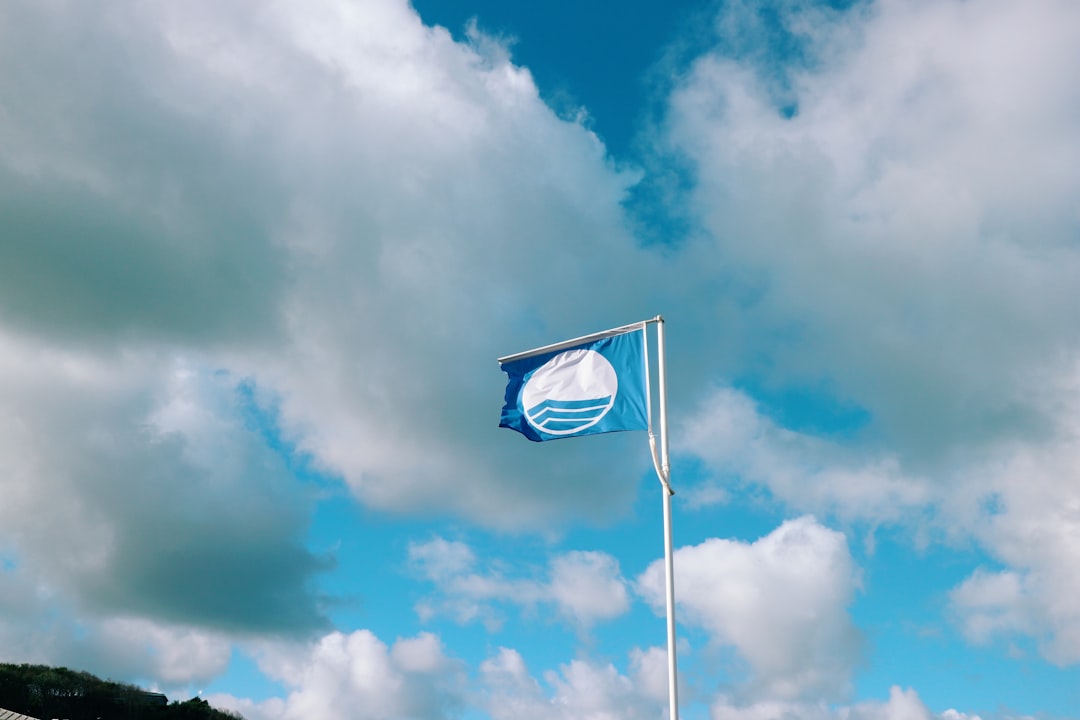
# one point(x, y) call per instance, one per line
point(257, 260)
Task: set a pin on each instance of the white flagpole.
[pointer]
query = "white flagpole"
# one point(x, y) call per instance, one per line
point(665, 480)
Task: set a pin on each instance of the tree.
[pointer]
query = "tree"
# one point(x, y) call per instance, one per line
point(46, 692)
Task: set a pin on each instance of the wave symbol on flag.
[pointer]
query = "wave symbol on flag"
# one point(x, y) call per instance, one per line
point(570, 392)
point(562, 417)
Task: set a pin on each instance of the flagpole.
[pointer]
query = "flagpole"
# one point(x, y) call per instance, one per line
point(665, 480)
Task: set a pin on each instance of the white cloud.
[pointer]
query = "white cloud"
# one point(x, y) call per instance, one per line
point(992, 603)
point(901, 705)
point(780, 601)
point(174, 656)
point(510, 692)
point(1029, 519)
point(587, 586)
point(333, 200)
point(40, 626)
point(584, 587)
point(440, 559)
point(729, 432)
point(1020, 502)
point(134, 503)
point(332, 204)
point(903, 237)
point(1017, 502)
point(415, 248)
point(132, 484)
point(724, 709)
point(649, 671)
point(580, 690)
point(356, 675)
point(956, 715)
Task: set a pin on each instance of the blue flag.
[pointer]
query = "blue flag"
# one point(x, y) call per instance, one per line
point(597, 386)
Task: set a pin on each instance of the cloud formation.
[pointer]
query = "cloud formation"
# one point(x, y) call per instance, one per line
point(741, 446)
point(132, 485)
point(580, 689)
point(901, 229)
point(317, 199)
point(780, 601)
point(357, 675)
point(886, 213)
point(584, 587)
point(214, 212)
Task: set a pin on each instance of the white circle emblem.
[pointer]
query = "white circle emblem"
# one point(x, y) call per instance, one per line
point(570, 392)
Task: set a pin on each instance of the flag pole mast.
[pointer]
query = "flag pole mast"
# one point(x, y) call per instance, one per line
point(664, 471)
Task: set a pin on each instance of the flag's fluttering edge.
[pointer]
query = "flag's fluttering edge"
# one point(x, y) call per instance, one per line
point(596, 386)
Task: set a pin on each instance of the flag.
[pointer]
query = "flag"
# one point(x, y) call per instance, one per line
point(596, 386)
